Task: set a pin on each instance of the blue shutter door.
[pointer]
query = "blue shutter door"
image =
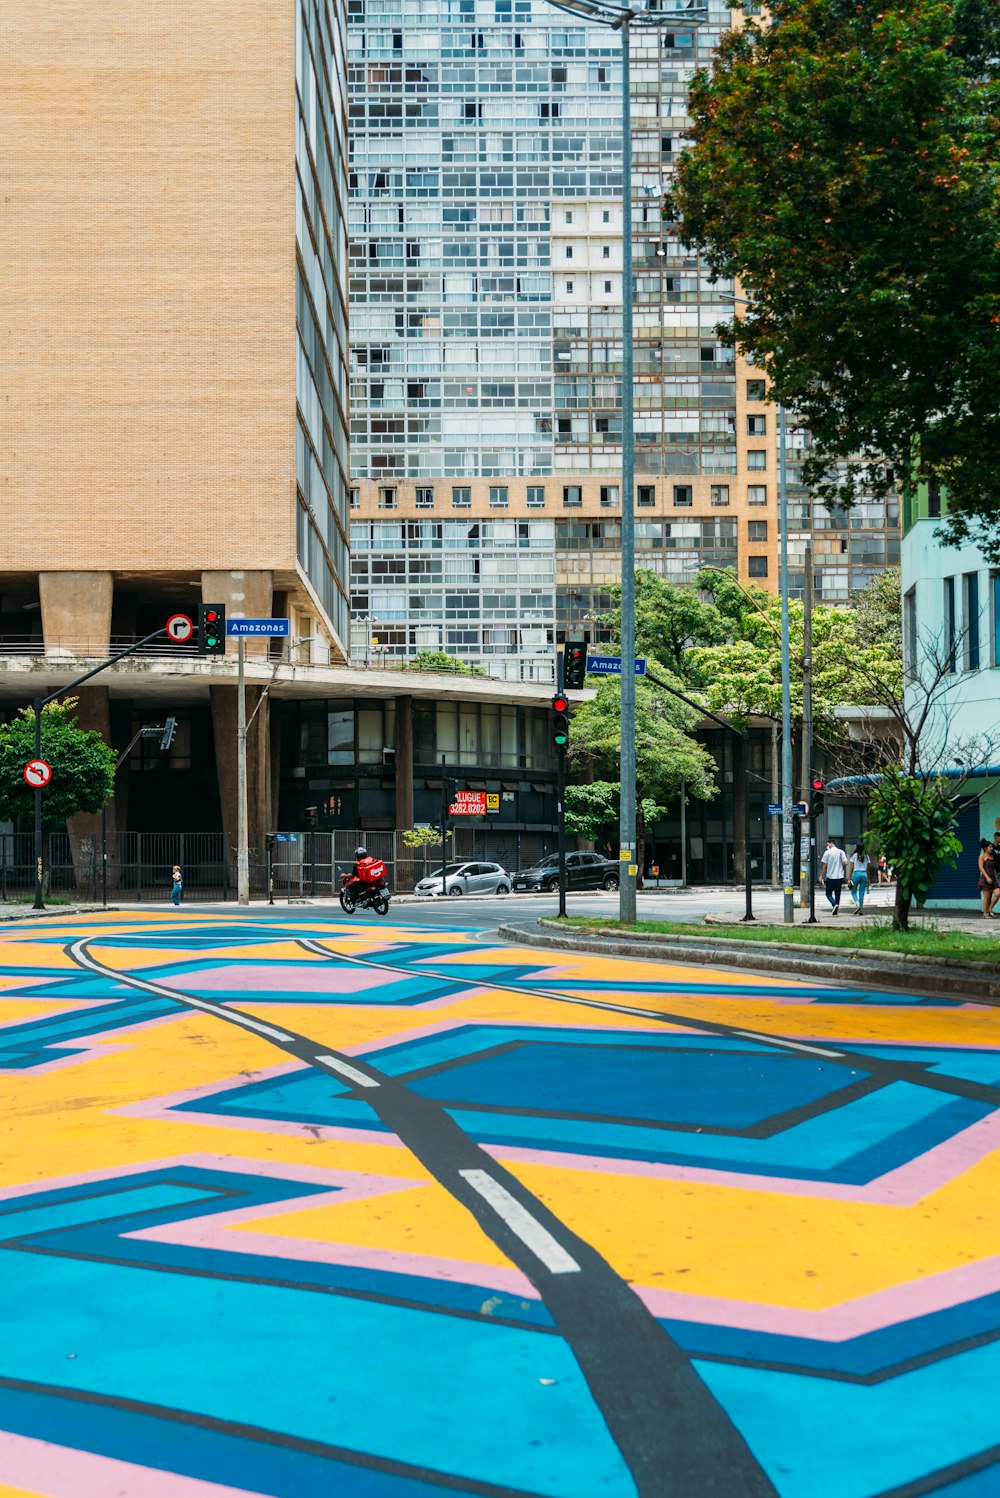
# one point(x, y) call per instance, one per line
point(960, 882)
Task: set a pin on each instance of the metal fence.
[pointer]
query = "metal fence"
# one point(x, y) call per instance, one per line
point(136, 866)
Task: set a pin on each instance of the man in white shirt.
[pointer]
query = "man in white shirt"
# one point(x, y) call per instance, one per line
point(834, 867)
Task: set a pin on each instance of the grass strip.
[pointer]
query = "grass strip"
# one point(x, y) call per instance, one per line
point(875, 936)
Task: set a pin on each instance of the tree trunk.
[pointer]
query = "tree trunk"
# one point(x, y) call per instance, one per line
point(901, 909)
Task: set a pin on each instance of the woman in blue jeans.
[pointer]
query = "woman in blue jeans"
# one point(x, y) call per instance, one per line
point(858, 874)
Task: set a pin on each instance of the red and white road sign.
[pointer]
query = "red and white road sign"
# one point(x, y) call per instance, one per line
point(180, 628)
point(37, 772)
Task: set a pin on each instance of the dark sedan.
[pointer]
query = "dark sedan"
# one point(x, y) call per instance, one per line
point(583, 871)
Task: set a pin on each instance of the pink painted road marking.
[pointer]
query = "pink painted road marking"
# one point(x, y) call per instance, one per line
point(64, 1472)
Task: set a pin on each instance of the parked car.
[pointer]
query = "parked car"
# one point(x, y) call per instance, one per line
point(583, 871)
point(466, 879)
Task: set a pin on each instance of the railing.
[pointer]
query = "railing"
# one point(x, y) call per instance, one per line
point(138, 864)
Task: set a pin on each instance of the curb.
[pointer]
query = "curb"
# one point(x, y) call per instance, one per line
point(934, 976)
point(57, 910)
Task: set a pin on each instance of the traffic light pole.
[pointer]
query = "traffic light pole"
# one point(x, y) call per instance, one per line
point(40, 704)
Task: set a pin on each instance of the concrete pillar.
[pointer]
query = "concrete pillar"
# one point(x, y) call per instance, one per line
point(405, 860)
point(247, 594)
point(76, 612)
point(93, 712)
point(244, 593)
point(258, 766)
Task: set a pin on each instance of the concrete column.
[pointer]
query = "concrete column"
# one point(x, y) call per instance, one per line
point(405, 857)
point(93, 712)
point(244, 593)
point(258, 766)
point(248, 594)
point(76, 612)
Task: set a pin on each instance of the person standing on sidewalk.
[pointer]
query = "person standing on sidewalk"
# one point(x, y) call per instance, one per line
point(177, 884)
point(834, 866)
point(989, 888)
point(858, 874)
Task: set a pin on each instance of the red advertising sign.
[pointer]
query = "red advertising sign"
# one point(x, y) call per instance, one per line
point(468, 804)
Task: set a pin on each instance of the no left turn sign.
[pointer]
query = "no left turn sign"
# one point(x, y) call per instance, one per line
point(180, 628)
point(37, 772)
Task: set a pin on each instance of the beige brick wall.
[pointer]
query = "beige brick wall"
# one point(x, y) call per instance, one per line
point(147, 299)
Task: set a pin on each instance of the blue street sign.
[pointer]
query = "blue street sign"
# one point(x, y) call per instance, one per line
point(258, 627)
point(774, 808)
point(799, 808)
point(286, 837)
point(611, 665)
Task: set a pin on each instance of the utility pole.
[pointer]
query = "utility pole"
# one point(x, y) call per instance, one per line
point(808, 871)
point(242, 856)
point(627, 867)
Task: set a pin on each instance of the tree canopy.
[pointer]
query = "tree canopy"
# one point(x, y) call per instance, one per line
point(844, 167)
point(742, 676)
point(669, 620)
point(83, 766)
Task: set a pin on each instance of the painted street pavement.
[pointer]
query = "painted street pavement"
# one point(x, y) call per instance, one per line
point(292, 1205)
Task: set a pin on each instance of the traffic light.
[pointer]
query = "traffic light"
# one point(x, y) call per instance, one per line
point(169, 731)
point(818, 788)
point(211, 629)
point(574, 665)
point(560, 721)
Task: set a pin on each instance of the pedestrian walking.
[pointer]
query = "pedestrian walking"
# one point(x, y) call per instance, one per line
point(883, 869)
point(177, 885)
point(989, 888)
point(834, 866)
point(857, 873)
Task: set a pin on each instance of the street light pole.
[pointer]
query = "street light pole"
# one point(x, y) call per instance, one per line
point(627, 868)
point(242, 852)
point(787, 845)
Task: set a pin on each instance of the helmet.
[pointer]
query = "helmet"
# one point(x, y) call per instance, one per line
point(361, 852)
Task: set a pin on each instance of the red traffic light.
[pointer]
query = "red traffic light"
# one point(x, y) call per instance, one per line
point(560, 704)
point(818, 785)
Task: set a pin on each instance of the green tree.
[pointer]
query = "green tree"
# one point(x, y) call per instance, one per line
point(742, 676)
point(666, 754)
point(592, 812)
point(913, 821)
point(879, 611)
point(440, 660)
point(844, 167)
point(83, 766)
point(669, 620)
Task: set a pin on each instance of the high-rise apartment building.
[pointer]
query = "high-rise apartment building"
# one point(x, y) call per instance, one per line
point(486, 328)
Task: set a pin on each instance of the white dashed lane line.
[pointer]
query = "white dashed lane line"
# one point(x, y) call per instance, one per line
point(359, 1078)
point(520, 1221)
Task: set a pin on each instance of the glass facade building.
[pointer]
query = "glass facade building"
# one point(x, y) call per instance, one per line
point(321, 455)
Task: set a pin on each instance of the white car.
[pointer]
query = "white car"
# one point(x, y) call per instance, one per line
point(466, 879)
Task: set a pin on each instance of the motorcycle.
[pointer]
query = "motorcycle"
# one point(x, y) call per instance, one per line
point(374, 896)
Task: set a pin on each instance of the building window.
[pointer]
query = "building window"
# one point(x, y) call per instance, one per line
point(602, 424)
point(970, 603)
point(647, 496)
point(756, 390)
point(472, 110)
point(609, 496)
point(572, 495)
point(548, 111)
point(569, 217)
point(387, 499)
point(756, 530)
point(425, 499)
point(498, 496)
point(934, 501)
point(667, 145)
point(756, 426)
point(355, 499)
point(569, 285)
point(536, 497)
point(569, 252)
point(606, 252)
point(683, 497)
point(607, 286)
point(564, 426)
point(756, 494)
point(757, 566)
point(949, 623)
point(910, 633)
point(719, 494)
point(606, 216)
point(757, 459)
point(461, 497)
